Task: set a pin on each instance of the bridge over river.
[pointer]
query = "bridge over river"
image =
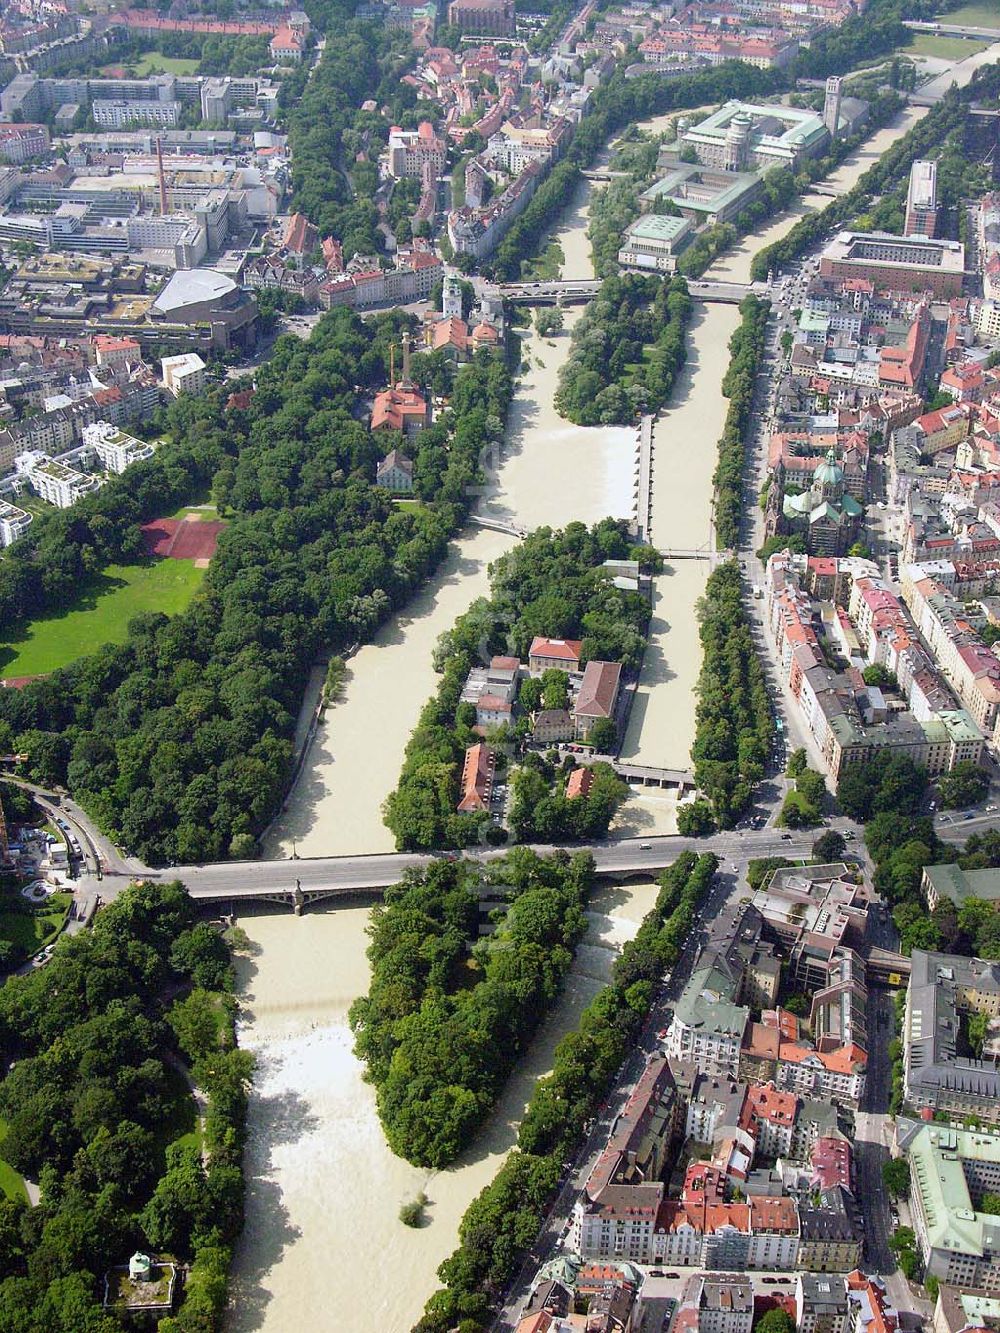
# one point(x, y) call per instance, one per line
point(580, 291)
point(296, 883)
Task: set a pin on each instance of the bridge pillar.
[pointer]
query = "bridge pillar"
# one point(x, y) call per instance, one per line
point(298, 899)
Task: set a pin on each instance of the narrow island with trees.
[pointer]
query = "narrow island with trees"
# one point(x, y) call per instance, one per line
point(556, 586)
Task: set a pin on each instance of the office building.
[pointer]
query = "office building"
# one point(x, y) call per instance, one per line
point(944, 990)
point(921, 200)
point(896, 263)
point(951, 1170)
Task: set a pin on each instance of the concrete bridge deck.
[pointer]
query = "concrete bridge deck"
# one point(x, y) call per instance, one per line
point(300, 882)
point(579, 291)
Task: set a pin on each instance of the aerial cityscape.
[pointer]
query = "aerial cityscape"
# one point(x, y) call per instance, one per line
point(500, 666)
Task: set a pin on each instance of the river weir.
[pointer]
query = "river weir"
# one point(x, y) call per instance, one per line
point(323, 1241)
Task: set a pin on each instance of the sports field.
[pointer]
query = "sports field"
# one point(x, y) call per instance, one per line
point(100, 615)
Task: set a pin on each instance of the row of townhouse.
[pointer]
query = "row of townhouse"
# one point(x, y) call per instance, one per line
point(129, 397)
point(639, 1225)
point(412, 279)
point(478, 231)
point(713, 1032)
point(850, 721)
point(970, 666)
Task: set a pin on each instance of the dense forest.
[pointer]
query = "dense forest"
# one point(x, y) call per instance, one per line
point(627, 349)
point(501, 1225)
point(551, 584)
point(100, 1048)
point(448, 1014)
point(179, 740)
point(733, 716)
point(746, 350)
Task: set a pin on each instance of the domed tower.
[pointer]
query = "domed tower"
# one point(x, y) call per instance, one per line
point(829, 478)
point(738, 142)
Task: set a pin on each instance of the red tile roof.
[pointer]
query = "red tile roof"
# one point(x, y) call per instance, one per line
point(598, 689)
point(563, 650)
point(477, 778)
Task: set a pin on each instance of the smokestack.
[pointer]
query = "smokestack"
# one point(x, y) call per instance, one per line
point(392, 365)
point(164, 210)
point(407, 383)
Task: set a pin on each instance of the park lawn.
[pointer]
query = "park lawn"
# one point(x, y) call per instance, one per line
point(946, 48)
point(32, 929)
point(985, 15)
point(152, 60)
point(11, 1184)
point(206, 511)
point(100, 615)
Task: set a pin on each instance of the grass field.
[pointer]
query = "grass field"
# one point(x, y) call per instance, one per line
point(152, 60)
point(945, 48)
point(100, 615)
point(32, 929)
point(986, 15)
point(11, 1183)
point(205, 511)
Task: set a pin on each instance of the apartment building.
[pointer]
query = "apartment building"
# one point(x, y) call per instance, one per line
point(717, 1303)
point(20, 143)
point(937, 1075)
point(14, 523)
point(829, 1236)
point(950, 1172)
point(868, 1307)
point(707, 1028)
point(412, 154)
point(115, 449)
point(972, 669)
point(60, 485)
point(768, 1053)
point(820, 1303)
point(186, 373)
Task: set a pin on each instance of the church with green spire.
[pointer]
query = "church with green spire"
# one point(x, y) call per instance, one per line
point(827, 516)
